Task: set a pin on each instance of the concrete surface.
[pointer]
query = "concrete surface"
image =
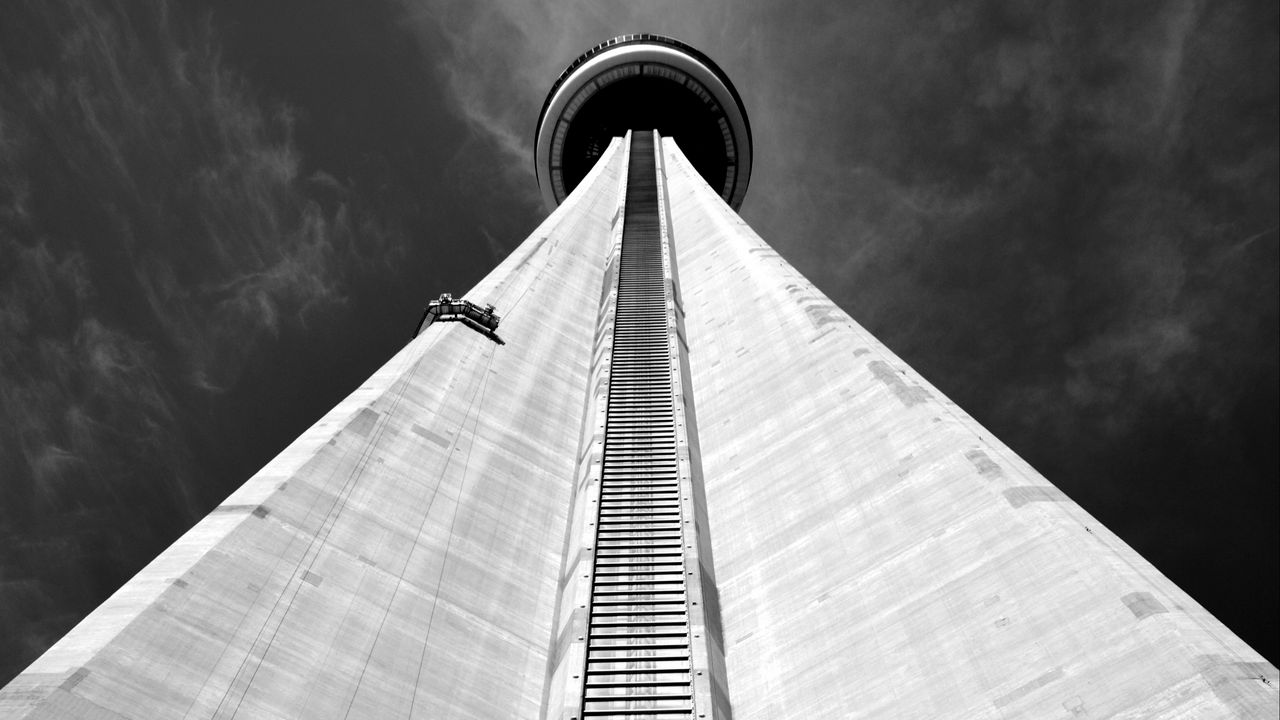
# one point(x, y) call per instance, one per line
point(400, 558)
point(880, 555)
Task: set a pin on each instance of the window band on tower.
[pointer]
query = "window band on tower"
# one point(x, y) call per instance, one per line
point(646, 651)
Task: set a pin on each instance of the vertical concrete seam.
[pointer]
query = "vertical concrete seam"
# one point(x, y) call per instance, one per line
point(711, 682)
point(566, 659)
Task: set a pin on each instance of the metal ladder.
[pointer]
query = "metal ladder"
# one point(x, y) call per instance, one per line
point(638, 663)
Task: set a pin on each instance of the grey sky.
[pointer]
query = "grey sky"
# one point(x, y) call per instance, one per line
point(217, 218)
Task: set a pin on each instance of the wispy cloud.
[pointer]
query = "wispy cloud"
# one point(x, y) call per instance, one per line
point(499, 59)
point(156, 228)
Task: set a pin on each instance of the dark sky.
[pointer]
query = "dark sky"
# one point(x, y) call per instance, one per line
point(217, 218)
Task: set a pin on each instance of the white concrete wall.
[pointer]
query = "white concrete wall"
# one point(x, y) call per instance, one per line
point(400, 559)
point(880, 555)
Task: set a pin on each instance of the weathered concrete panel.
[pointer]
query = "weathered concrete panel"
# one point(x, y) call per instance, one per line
point(399, 559)
point(877, 553)
point(880, 555)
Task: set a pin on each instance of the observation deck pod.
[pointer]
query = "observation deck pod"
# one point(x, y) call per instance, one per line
point(446, 309)
point(643, 82)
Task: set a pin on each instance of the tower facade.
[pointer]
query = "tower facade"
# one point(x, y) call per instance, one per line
point(671, 480)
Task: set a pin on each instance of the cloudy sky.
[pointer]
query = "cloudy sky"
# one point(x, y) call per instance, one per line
point(217, 218)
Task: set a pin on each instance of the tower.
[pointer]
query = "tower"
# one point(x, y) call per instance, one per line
point(684, 485)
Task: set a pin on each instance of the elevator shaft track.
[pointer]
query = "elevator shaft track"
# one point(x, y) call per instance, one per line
point(639, 661)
